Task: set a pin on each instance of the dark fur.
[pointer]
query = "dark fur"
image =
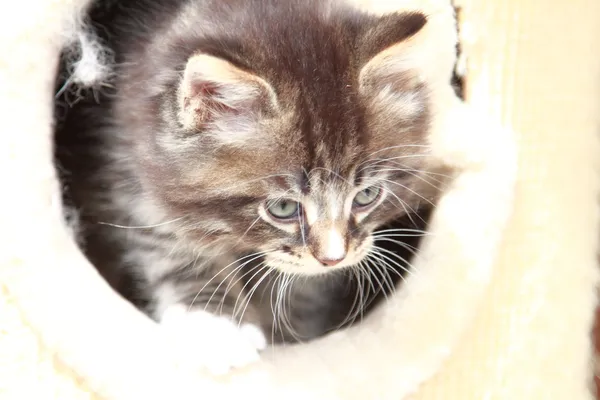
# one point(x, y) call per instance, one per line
point(130, 148)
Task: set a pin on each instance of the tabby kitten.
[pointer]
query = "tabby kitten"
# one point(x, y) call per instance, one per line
point(242, 165)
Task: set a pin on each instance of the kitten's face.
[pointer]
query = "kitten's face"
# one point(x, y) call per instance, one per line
point(300, 159)
point(325, 218)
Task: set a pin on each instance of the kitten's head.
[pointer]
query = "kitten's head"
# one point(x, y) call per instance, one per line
point(297, 137)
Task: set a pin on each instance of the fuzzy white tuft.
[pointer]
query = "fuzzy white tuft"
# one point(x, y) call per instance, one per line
point(92, 66)
point(89, 62)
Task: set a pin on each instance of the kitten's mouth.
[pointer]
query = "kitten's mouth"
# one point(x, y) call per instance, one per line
point(305, 264)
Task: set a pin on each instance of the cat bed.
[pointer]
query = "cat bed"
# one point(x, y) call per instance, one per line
point(501, 305)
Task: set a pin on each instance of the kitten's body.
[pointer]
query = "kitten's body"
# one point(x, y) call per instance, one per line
point(168, 200)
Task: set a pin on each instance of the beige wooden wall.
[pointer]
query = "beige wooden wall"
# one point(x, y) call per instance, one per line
point(535, 66)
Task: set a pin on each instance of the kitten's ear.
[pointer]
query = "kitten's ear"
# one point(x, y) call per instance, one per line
point(386, 53)
point(215, 92)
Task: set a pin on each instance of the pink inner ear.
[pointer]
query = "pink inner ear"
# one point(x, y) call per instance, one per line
point(213, 92)
point(204, 88)
point(208, 107)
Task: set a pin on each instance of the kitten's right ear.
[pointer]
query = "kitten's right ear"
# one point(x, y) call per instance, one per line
point(386, 53)
point(216, 95)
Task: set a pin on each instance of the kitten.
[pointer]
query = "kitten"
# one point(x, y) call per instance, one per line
point(234, 182)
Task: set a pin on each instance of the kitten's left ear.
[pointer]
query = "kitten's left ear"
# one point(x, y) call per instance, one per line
point(214, 94)
point(386, 53)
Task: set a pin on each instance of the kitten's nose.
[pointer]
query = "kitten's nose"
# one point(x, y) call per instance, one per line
point(329, 245)
point(330, 262)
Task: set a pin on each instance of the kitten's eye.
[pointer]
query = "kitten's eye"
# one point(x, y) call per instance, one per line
point(283, 209)
point(366, 196)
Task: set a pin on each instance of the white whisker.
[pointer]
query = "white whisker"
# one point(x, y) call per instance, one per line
point(410, 248)
point(404, 207)
point(378, 252)
point(248, 296)
point(410, 190)
point(141, 226)
point(238, 185)
point(402, 230)
point(402, 146)
point(255, 255)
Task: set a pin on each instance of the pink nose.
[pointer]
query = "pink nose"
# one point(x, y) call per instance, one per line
point(330, 262)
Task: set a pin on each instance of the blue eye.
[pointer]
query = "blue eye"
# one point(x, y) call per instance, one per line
point(367, 196)
point(283, 209)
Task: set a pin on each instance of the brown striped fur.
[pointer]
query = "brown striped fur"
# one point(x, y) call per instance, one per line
point(222, 106)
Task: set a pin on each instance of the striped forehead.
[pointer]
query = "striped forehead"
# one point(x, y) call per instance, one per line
point(327, 194)
point(324, 182)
